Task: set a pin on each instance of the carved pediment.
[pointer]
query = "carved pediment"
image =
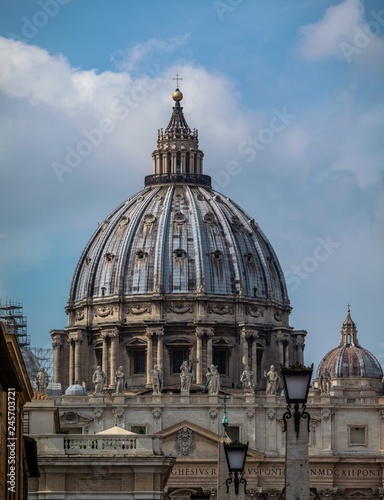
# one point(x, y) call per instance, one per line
point(190, 441)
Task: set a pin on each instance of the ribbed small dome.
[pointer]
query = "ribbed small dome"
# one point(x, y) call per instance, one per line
point(349, 359)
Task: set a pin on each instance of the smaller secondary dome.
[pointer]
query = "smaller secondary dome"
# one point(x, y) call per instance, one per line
point(349, 359)
point(75, 390)
point(177, 95)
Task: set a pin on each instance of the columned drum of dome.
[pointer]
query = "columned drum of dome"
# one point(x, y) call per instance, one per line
point(178, 271)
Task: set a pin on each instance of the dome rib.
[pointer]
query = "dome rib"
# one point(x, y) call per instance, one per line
point(159, 258)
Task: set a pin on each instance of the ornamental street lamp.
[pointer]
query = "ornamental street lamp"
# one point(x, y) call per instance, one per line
point(296, 380)
point(200, 496)
point(236, 453)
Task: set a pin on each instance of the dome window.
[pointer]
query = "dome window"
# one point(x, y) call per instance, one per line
point(209, 218)
point(179, 218)
point(109, 257)
point(140, 255)
point(149, 219)
point(179, 253)
point(249, 257)
point(217, 255)
point(103, 290)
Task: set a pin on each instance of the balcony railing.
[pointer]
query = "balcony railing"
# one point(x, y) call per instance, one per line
point(74, 444)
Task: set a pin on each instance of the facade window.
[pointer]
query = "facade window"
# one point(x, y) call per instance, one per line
point(220, 359)
point(139, 361)
point(177, 358)
point(139, 429)
point(234, 432)
point(357, 436)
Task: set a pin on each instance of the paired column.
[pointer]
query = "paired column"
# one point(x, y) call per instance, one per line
point(199, 352)
point(254, 357)
point(280, 338)
point(71, 360)
point(75, 341)
point(149, 357)
point(109, 355)
point(200, 368)
point(112, 362)
point(300, 349)
point(160, 347)
point(57, 346)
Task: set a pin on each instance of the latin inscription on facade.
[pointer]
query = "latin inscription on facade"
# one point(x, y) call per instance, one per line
point(279, 471)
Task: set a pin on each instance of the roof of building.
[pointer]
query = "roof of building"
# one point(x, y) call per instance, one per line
point(178, 235)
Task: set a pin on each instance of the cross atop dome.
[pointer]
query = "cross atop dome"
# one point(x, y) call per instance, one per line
point(177, 78)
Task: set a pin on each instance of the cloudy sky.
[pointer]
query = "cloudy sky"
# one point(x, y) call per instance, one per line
point(287, 97)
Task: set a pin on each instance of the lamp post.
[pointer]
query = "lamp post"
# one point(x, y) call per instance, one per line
point(296, 380)
point(236, 453)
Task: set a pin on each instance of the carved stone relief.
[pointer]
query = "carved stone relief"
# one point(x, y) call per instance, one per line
point(185, 441)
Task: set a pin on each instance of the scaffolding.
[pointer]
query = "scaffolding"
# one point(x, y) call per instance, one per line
point(11, 314)
point(44, 358)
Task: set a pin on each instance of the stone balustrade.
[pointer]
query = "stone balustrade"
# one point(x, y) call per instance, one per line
point(75, 444)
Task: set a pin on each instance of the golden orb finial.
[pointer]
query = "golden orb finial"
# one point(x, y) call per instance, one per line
point(177, 95)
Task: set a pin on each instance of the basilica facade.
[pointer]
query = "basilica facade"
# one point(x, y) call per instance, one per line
point(179, 278)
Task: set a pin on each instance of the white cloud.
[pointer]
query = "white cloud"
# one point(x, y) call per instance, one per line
point(51, 109)
point(344, 33)
point(129, 59)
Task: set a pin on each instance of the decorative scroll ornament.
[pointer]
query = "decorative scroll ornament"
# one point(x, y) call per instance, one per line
point(185, 441)
point(156, 413)
point(250, 412)
point(124, 220)
point(98, 414)
point(79, 315)
point(103, 312)
point(180, 308)
point(255, 312)
point(139, 309)
point(213, 413)
point(220, 309)
point(119, 414)
point(271, 414)
point(327, 414)
point(277, 316)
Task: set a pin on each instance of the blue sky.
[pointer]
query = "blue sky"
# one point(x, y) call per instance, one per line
point(287, 97)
